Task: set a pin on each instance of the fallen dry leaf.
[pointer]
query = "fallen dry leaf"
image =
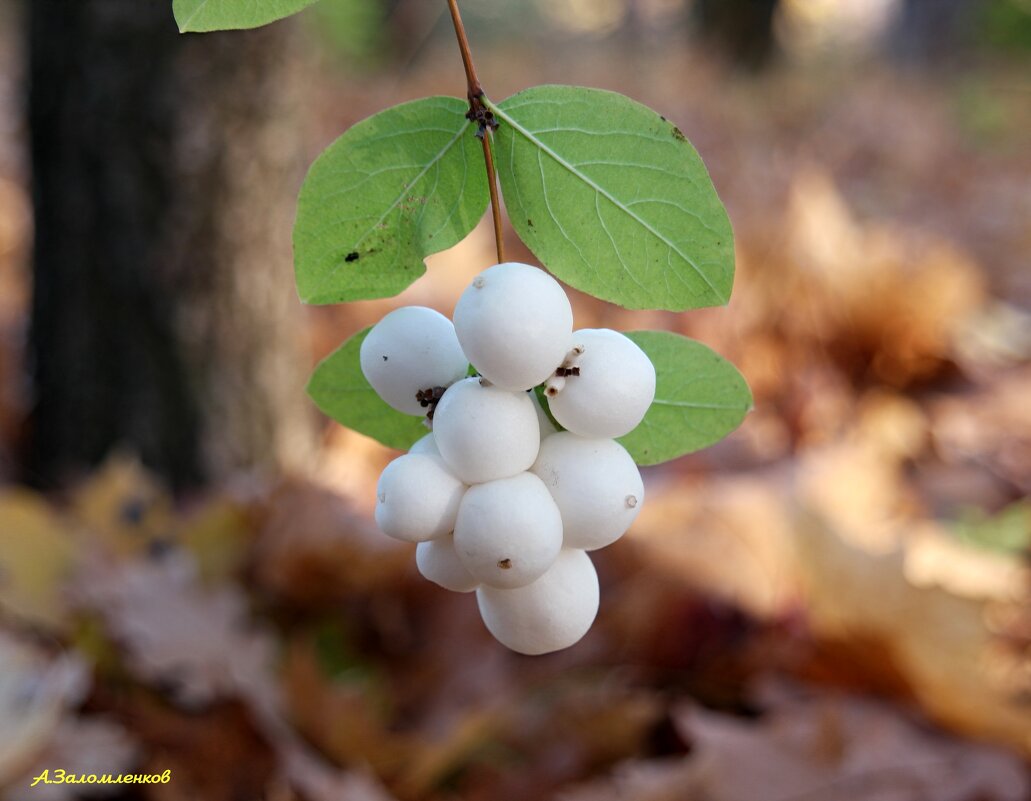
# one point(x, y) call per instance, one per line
point(825, 747)
point(124, 507)
point(195, 641)
point(728, 537)
point(871, 569)
point(218, 535)
point(939, 642)
point(200, 647)
point(35, 693)
point(809, 746)
point(37, 555)
point(898, 297)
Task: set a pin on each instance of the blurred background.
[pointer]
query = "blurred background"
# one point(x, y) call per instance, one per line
point(830, 604)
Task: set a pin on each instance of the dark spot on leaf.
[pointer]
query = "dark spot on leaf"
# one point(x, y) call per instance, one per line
point(352, 256)
point(663, 118)
point(678, 134)
point(529, 222)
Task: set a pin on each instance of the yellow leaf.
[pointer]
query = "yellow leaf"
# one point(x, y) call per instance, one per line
point(217, 535)
point(124, 506)
point(36, 555)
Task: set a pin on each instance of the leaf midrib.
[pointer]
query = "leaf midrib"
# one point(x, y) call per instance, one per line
point(185, 26)
point(692, 405)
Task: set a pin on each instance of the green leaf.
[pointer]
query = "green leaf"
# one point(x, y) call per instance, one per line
point(396, 187)
point(613, 199)
point(340, 390)
point(700, 397)
point(542, 401)
point(222, 15)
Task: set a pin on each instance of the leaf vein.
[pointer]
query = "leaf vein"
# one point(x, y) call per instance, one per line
point(331, 273)
point(542, 147)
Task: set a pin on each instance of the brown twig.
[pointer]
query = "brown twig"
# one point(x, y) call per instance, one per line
point(475, 90)
point(492, 183)
point(485, 119)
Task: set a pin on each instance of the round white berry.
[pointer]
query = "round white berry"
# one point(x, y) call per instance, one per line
point(411, 349)
point(596, 486)
point(508, 531)
point(552, 613)
point(515, 324)
point(425, 444)
point(613, 390)
point(417, 498)
point(438, 562)
point(484, 432)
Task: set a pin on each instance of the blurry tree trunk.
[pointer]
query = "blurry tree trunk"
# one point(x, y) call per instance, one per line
point(742, 30)
point(164, 318)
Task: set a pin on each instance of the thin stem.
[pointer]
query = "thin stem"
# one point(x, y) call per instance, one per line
point(475, 90)
point(492, 184)
point(480, 114)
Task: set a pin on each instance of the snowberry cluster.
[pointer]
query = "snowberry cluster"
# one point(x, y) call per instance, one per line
point(498, 500)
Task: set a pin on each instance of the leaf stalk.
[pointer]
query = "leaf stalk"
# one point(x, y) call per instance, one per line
point(478, 112)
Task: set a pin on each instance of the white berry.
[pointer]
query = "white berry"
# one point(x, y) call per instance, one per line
point(438, 562)
point(508, 531)
point(425, 444)
point(515, 324)
point(613, 390)
point(595, 484)
point(411, 349)
point(417, 498)
point(484, 432)
point(552, 613)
